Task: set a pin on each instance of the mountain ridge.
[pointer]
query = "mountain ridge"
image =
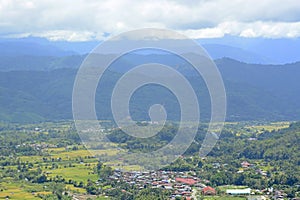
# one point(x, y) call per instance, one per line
point(255, 92)
point(250, 50)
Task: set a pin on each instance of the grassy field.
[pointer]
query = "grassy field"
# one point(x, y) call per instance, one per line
point(269, 127)
point(15, 190)
point(74, 163)
point(69, 154)
point(70, 187)
point(35, 159)
point(224, 198)
point(78, 173)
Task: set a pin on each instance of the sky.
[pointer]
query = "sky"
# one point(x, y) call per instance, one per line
point(84, 20)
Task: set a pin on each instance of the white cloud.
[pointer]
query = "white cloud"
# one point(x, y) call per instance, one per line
point(251, 29)
point(91, 19)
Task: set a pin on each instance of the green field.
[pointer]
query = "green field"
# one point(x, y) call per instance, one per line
point(37, 164)
point(16, 190)
point(224, 198)
point(78, 173)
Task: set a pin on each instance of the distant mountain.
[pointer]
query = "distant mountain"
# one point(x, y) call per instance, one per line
point(39, 63)
point(277, 79)
point(23, 48)
point(274, 50)
point(249, 50)
point(254, 92)
point(36, 79)
point(218, 51)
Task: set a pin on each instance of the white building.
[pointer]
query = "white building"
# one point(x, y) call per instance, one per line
point(245, 191)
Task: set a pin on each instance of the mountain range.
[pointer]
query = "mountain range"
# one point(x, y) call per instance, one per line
point(37, 76)
point(39, 88)
point(248, 50)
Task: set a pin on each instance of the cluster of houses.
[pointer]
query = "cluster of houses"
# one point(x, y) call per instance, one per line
point(247, 165)
point(37, 146)
point(179, 183)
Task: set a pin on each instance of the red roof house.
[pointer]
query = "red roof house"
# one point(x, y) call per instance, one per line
point(208, 191)
point(245, 164)
point(188, 181)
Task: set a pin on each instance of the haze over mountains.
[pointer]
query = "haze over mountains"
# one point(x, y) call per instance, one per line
point(249, 50)
point(36, 79)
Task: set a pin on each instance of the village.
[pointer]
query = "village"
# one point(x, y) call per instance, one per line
point(183, 185)
point(41, 159)
point(186, 185)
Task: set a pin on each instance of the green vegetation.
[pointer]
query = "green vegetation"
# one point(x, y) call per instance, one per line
point(48, 161)
point(41, 90)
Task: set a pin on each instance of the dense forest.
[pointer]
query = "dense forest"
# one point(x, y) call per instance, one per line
point(45, 94)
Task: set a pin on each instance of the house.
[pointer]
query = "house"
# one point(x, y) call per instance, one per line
point(245, 191)
point(208, 191)
point(216, 165)
point(188, 181)
point(245, 164)
point(168, 187)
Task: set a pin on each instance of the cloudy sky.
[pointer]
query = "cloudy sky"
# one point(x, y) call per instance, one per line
point(81, 20)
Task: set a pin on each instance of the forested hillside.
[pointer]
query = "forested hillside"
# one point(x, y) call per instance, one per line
point(254, 92)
